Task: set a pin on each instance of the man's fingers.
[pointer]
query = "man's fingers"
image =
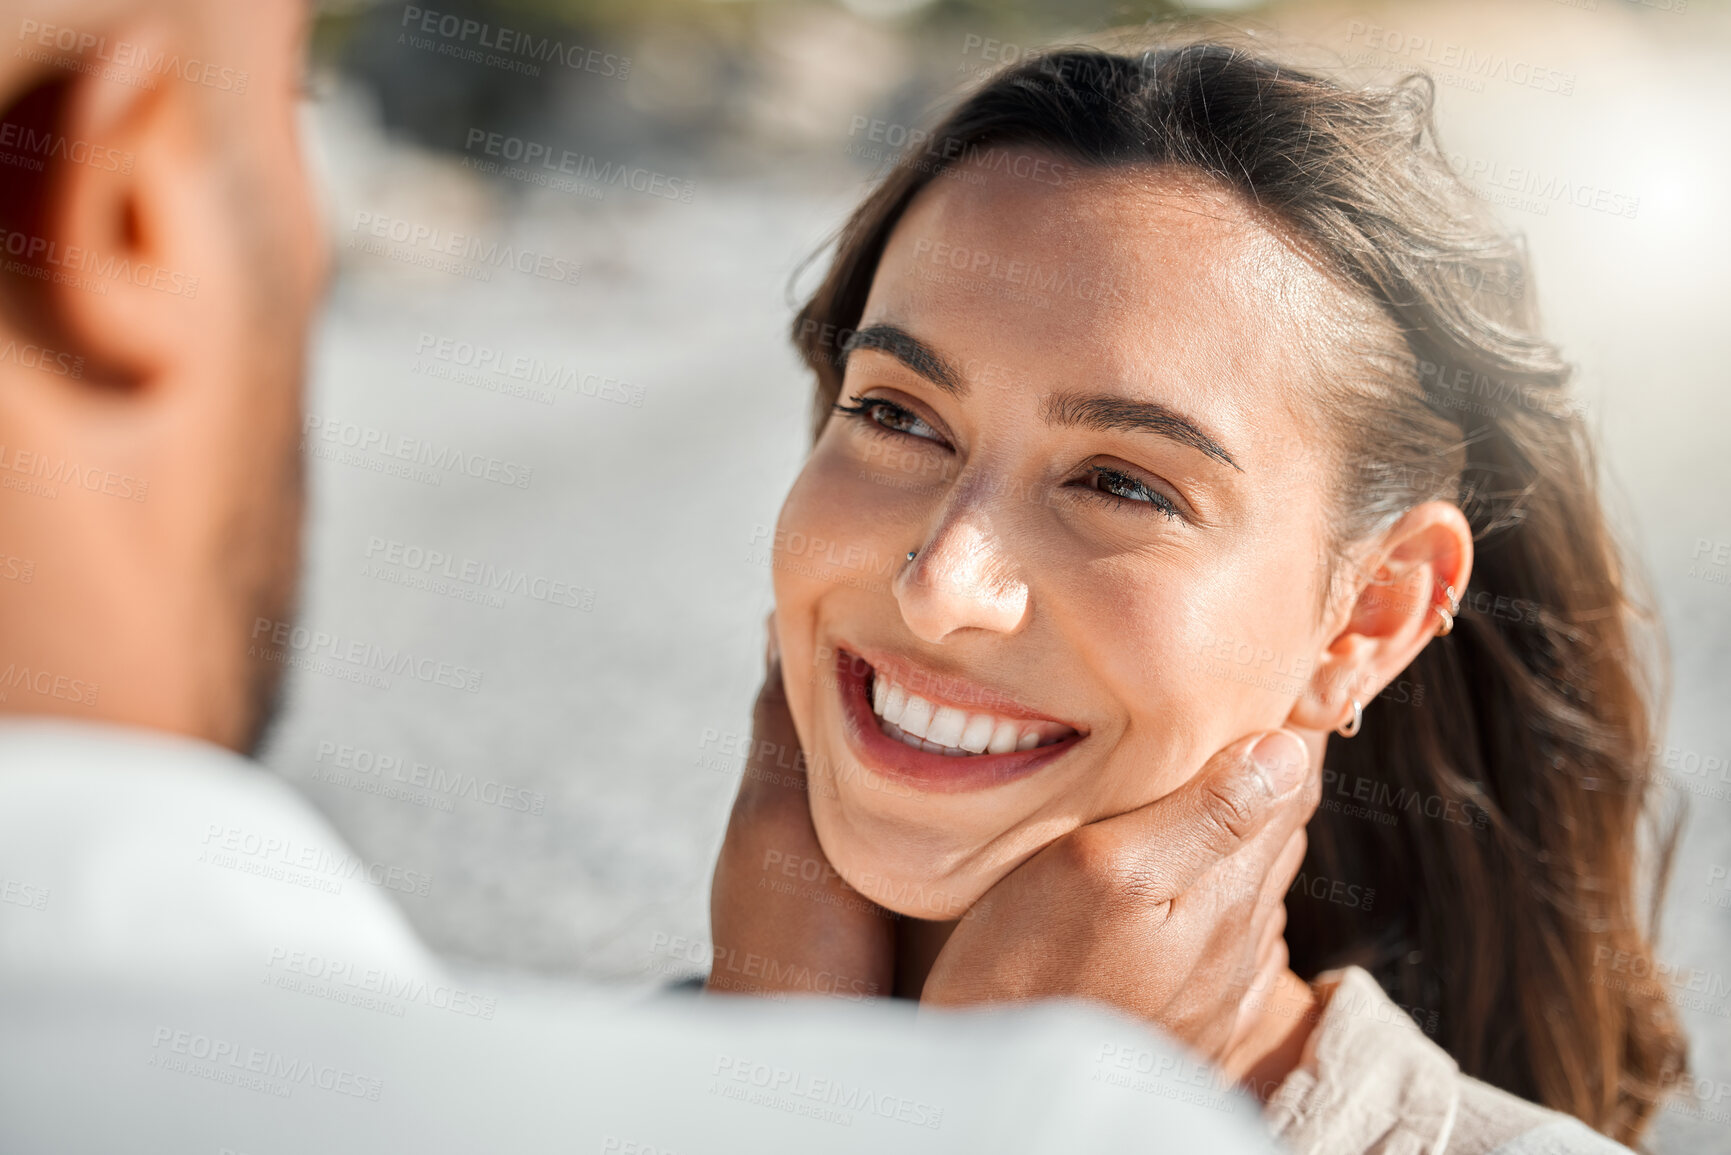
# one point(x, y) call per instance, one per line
point(1282, 760)
point(773, 735)
point(771, 643)
point(1179, 837)
point(1273, 940)
point(773, 692)
point(1285, 867)
point(774, 771)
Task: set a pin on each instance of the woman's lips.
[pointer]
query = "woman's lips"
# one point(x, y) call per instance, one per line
point(941, 728)
point(937, 745)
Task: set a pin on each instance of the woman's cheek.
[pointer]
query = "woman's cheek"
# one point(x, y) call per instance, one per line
point(1181, 707)
point(1220, 691)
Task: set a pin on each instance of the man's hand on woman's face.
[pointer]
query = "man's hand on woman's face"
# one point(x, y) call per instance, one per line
point(782, 918)
point(1173, 912)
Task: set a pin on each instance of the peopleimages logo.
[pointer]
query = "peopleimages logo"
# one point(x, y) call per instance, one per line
point(125, 54)
point(23, 894)
point(42, 358)
point(380, 769)
point(534, 153)
point(300, 644)
point(407, 561)
point(304, 864)
point(393, 447)
point(346, 981)
point(801, 1093)
point(1534, 190)
point(462, 254)
point(500, 46)
point(1454, 63)
point(31, 148)
point(254, 1068)
point(46, 473)
point(71, 264)
point(46, 684)
point(539, 379)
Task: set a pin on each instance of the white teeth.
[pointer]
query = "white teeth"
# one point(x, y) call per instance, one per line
point(946, 727)
point(895, 732)
point(917, 716)
point(895, 704)
point(978, 734)
point(1003, 738)
point(948, 730)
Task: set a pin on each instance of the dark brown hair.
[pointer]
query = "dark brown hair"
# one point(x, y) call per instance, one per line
point(1512, 773)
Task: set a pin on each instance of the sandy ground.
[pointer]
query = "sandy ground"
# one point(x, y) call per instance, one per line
point(597, 735)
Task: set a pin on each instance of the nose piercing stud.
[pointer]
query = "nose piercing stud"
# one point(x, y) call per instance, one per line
point(911, 554)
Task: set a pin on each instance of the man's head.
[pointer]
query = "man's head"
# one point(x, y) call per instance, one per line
point(159, 265)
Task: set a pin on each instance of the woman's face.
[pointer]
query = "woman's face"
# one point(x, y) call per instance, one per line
point(1083, 403)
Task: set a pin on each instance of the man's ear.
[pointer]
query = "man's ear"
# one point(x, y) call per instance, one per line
point(1390, 614)
point(125, 191)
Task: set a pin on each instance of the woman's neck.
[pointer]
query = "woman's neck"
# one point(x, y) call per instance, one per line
point(1273, 1046)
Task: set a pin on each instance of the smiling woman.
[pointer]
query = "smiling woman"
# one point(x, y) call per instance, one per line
point(1255, 424)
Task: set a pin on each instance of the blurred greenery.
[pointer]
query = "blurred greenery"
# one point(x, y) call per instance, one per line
point(704, 74)
point(338, 18)
point(1030, 13)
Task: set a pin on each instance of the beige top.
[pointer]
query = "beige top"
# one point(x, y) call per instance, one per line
point(1371, 1083)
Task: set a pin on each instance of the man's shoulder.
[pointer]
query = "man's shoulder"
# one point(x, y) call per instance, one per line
point(151, 853)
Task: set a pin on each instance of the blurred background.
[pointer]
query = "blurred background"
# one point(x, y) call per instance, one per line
point(610, 332)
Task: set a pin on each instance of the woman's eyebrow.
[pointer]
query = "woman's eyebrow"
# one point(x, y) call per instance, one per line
point(910, 351)
point(1106, 413)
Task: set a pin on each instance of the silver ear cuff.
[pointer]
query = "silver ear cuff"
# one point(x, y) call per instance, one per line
point(1448, 615)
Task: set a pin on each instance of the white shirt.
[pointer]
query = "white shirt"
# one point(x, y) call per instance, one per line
point(190, 959)
point(140, 855)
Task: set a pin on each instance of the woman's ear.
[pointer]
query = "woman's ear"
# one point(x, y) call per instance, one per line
point(1389, 613)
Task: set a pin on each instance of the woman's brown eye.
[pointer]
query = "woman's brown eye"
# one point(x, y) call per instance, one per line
point(899, 419)
point(889, 416)
point(1123, 486)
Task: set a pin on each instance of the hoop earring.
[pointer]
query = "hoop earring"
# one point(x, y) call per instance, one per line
point(1348, 729)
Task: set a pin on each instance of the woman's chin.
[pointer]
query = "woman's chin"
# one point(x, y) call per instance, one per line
point(917, 852)
point(912, 869)
point(913, 892)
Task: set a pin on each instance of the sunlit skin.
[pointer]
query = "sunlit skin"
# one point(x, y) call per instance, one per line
point(193, 395)
point(1091, 574)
